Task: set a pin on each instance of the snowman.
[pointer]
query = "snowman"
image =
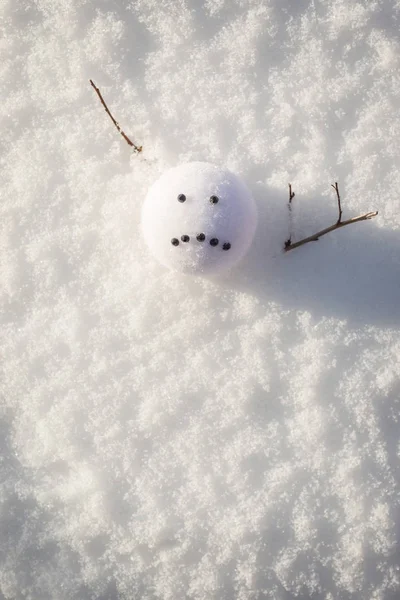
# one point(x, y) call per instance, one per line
point(200, 219)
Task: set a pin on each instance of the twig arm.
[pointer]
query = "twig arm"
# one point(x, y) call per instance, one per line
point(136, 148)
point(291, 196)
point(336, 188)
point(316, 236)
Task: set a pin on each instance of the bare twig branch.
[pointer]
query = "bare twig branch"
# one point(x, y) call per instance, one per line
point(136, 148)
point(336, 188)
point(291, 196)
point(337, 225)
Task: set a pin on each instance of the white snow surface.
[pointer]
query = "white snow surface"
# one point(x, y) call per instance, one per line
point(199, 219)
point(171, 437)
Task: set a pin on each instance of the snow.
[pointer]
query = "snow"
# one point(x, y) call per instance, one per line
point(165, 436)
point(199, 219)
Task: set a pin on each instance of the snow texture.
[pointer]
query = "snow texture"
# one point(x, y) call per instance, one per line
point(199, 218)
point(171, 437)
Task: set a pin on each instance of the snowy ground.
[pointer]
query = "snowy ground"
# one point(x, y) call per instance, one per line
point(165, 437)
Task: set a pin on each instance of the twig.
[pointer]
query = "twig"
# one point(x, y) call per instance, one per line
point(291, 196)
point(316, 236)
point(136, 148)
point(339, 223)
point(336, 188)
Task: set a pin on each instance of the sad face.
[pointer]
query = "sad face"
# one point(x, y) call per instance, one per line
point(198, 218)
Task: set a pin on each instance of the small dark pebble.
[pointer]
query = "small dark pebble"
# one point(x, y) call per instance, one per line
point(175, 242)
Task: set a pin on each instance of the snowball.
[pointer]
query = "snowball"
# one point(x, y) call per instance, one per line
point(199, 218)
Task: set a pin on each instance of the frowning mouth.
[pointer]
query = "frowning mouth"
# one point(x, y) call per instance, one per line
point(200, 237)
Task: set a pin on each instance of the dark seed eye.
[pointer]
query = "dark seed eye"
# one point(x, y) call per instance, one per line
point(181, 198)
point(226, 246)
point(185, 238)
point(214, 199)
point(175, 242)
point(201, 237)
point(214, 242)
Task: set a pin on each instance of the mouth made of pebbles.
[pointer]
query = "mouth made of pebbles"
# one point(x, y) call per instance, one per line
point(200, 238)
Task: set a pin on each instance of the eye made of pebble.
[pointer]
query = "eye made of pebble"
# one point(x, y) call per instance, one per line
point(214, 199)
point(181, 198)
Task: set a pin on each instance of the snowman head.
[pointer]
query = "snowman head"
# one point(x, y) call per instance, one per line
point(198, 218)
